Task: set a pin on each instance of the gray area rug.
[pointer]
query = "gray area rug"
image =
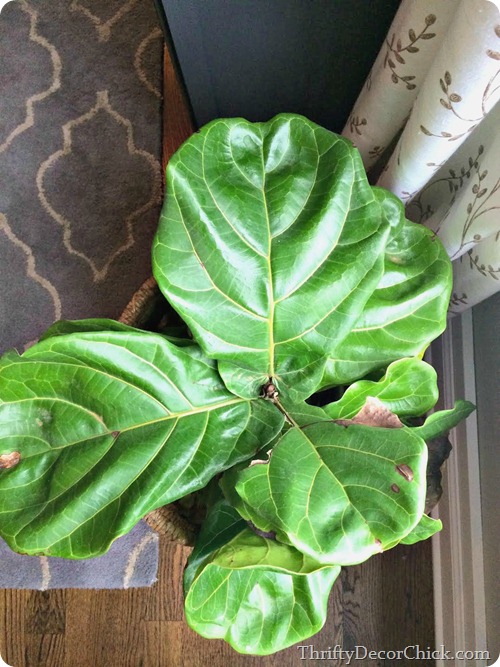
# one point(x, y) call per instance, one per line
point(80, 191)
point(131, 562)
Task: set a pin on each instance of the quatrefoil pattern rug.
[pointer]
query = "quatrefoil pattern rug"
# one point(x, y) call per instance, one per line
point(80, 146)
point(80, 192)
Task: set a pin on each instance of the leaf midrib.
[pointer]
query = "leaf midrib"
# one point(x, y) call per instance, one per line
point(270, 322)
point(169, 416)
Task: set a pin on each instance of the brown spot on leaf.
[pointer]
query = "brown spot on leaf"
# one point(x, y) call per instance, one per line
point(379, 545)
point(373, 413)
point(115, 434)
point(395, 488)
point(9, 460)
point(405, 470)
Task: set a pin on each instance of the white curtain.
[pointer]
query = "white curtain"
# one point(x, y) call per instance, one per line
point(436, 84)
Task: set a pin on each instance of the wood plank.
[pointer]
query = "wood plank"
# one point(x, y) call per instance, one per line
point(104, 628)
point(162, 643)
point(45, 612)
point(383, 604)
point(388, 602)
point(169, 598)
point(45, 651)
point(12, 625)
point(177, 122)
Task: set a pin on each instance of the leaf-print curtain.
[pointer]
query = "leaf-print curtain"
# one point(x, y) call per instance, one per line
point(430, 102)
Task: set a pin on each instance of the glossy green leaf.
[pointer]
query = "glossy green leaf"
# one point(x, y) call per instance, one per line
point(221, 525)
point(90, 325)
point(110, 425)
point(257, 594)
point(271, 240)
point(64, 327)
point(425, 528)
point(442, 421)
point(407, 310)
point(408, 389)
point(339, 494)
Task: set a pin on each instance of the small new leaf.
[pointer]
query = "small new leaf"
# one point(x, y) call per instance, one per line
point(439, 423)
point(408, 389)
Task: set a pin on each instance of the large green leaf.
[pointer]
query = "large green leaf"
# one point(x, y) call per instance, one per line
point(407, 310)
point(271, 240)
point(408, 389)
point(259, 595)
point(110, 425)
point(279, 255)
point(64, 327)
point(337, 493)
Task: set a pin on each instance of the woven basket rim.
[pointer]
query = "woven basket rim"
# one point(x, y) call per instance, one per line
point(135, 308)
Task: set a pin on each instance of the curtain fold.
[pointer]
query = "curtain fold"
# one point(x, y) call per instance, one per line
point(437, 81)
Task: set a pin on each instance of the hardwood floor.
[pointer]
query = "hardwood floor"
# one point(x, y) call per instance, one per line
point(383, 604)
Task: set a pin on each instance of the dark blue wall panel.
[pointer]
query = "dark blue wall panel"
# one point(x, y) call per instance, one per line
point(256, 58)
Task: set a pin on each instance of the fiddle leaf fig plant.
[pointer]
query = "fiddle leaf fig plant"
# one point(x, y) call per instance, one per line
point(292, 274)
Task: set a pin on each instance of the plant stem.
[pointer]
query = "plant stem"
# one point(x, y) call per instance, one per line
point(283, 411)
